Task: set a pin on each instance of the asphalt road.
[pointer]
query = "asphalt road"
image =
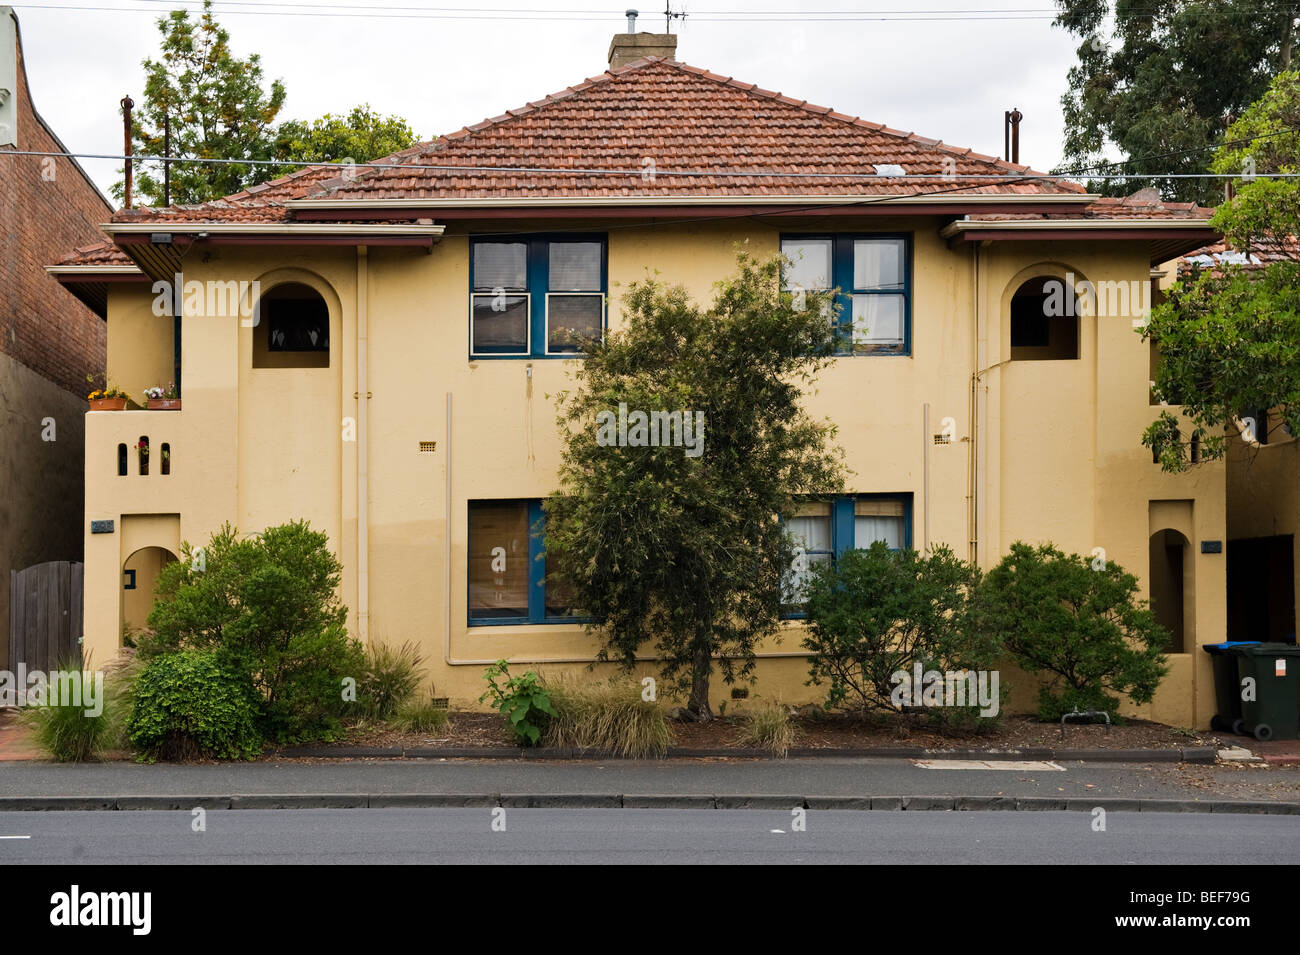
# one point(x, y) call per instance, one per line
point(808, 777)
point(640, 837)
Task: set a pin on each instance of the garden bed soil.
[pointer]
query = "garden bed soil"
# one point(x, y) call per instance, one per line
point(829, 732)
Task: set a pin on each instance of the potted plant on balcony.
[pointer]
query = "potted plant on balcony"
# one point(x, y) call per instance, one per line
point(109, 398)
point(163, 399)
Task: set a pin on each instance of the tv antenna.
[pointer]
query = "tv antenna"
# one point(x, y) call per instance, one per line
point(670, 16)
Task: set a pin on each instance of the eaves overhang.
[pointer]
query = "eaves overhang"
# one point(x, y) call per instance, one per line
point(1166, 238)
point(159, 247)
point(89, 283)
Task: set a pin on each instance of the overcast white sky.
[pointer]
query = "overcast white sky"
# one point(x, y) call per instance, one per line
point(947, 78)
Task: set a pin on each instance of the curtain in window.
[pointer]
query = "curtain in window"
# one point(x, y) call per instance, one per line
point(498, 559)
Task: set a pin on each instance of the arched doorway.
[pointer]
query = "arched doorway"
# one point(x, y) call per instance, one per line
point(139, 578)
point(1170, 568)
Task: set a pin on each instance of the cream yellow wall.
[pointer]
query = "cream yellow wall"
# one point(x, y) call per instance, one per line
point(1058, 444)
point(140, 349)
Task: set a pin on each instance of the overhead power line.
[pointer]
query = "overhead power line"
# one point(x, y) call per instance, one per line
point(637, 172)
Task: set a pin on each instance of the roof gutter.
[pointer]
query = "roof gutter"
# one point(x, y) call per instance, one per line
point(132, 231)
point(962, 228)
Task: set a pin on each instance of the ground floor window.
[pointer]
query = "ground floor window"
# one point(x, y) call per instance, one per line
point(507, 566)
point(823, 530)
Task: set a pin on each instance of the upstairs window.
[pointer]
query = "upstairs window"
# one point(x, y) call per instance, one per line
point(1045, 321)
point(536, 297)
point(293, 328)
point(873, 273)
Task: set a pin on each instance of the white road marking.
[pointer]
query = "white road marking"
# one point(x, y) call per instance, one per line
point(1012, 765)
point(781, 831)
point(15, 837)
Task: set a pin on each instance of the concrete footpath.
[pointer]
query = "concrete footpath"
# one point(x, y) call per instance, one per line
point(824, 783)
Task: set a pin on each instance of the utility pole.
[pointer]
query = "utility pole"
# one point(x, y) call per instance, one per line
point(167, 152)
point(127, 103)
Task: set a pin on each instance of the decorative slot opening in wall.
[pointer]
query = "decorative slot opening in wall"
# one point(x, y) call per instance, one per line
point(121, 460)
point(165, 462)
point(428, 447)
point(142, 450)
point(738, 693)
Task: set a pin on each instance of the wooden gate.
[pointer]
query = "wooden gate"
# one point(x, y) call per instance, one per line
point(45, 615)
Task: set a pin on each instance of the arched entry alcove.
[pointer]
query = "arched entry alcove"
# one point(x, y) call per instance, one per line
point(139, 577)
point(1169, 577)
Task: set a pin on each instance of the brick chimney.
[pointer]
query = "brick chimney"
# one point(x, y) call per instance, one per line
point(629, 46)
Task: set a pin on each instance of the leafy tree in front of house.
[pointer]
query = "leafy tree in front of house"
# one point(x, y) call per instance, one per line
point(678, 550)
point(1078, 622)
point(218, 109)
point(875, 612)
point(360, 136)
point(268, 606)
point(1229, 337)
point(1161, 80)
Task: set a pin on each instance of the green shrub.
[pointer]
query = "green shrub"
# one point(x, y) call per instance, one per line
point(768, 725)
point(1079, 621)
point(391, 677)
point(192, 704)
point(419, 716)
point(610, 717)
point(522, 700)
point(269, 606)
point(875, 613)
point(61, 724)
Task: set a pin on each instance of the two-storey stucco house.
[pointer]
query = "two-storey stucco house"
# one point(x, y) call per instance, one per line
point(414, 321)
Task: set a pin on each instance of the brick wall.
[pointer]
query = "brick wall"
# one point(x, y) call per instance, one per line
point(41, 324)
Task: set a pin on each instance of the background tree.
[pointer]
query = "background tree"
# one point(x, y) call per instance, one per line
point(1160, 81)
point(1229, 336)
point(688, 553)
point(361, 135)
point(217, 107)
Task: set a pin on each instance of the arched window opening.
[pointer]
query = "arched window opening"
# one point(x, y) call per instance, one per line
point(292, 328)
point(1045, 321)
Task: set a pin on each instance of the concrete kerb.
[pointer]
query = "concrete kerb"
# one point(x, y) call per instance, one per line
point(765, 801)
point(1195, 754)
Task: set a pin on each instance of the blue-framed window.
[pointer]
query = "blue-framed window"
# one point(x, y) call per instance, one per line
point(873, 271)
point(507, 567)
point(823, 530)
point(536, 296)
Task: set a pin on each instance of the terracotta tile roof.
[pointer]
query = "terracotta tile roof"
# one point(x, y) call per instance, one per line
point(683, 119)
point(1263, 252)
point(260, 203)
point(1143, 204)
point(101, 253)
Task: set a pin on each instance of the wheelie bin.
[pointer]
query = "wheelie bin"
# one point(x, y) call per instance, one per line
point(1274, 713)
point(1227, 691)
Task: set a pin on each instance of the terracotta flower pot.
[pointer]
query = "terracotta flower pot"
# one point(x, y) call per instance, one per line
point(164, 404)
point(107, 404)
